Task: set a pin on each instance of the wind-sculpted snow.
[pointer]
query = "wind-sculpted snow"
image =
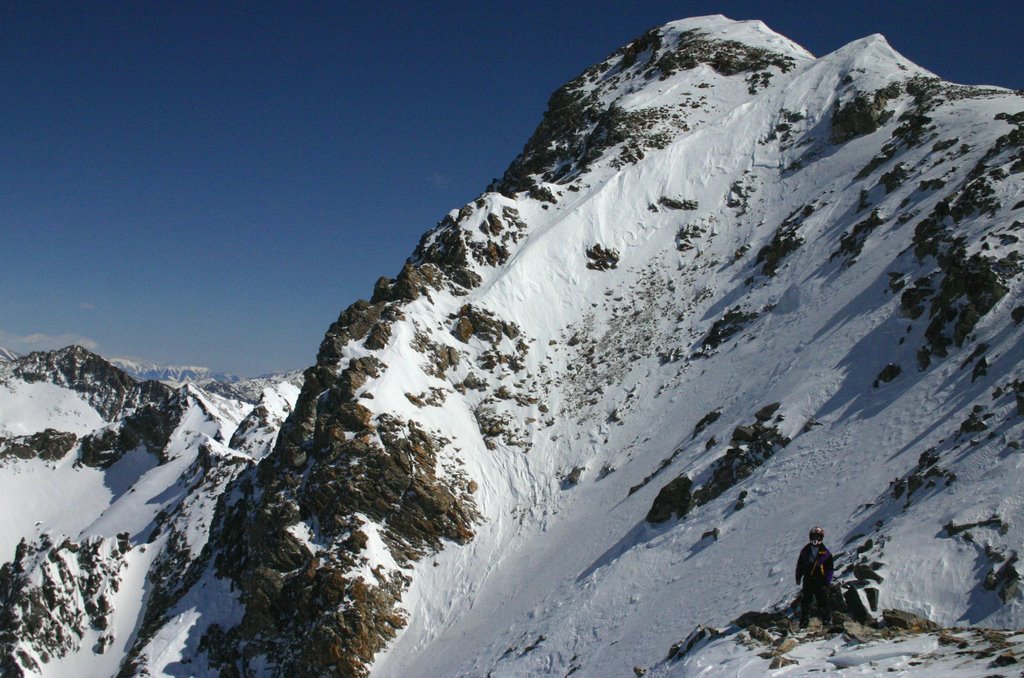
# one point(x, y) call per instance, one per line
point(728, 291)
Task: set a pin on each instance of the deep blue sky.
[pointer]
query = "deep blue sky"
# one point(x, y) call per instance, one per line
point(211, 183)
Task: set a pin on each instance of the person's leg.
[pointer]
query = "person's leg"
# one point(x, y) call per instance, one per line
point(806, 598)
point(824, 604)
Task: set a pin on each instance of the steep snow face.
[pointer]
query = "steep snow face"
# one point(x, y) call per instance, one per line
point(726, 292)
point(840, 239)
point(647, 93)
point(257, 433)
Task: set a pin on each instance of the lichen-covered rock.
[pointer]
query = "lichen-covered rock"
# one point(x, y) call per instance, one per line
point(763, 619)
point(780, 662)
point(411, 283)
point(472, 321)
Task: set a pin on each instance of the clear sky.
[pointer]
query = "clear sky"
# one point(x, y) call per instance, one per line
point(210, 183)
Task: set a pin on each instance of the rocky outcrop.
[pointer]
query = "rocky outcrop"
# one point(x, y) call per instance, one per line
point(182, 562)
point(308, 612)
point(750, 446)
point(963, 289)
point(785, 241)
point(447, 248)
point(907, 621)
point(673, 499)
point(601, 259)
point(852, 243)
point(772, 639)
point(48, 445)
point(1005, 579)
point(52, 595)
point(862, 114)
point(149, 426)
point(731, 323)
point(109, 390)
point(141, 413)
point(371, 484)
point(578, 127)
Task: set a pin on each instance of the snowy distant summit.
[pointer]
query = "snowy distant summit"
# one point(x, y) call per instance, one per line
point(7, 354)
point(174, 374)
point(727, 291)
point(223, 384)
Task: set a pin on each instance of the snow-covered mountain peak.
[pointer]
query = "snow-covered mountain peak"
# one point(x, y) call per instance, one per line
point(649, 92)
point(173, 375)
point(871, 62)
point(727, 291)
point(751, 32)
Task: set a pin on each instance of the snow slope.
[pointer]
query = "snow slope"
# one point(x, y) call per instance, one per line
point(572, 578)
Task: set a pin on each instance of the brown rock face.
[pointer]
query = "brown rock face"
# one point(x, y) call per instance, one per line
point(907, 621)
point(48, 445)
point(674, 498)
point(343, 474)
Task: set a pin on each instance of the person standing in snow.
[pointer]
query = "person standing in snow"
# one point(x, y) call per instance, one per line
point(814, 569)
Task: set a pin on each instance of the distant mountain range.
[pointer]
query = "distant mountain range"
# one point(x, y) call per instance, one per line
point(142, 369)
point(178, 374)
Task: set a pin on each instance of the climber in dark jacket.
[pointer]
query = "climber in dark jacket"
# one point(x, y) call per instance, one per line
point(814, 568)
